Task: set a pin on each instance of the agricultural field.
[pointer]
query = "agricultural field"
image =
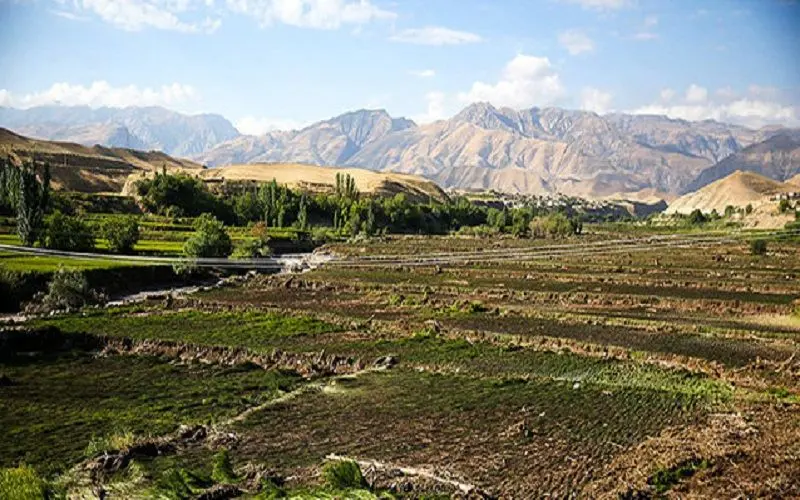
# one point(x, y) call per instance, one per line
point(524, 370)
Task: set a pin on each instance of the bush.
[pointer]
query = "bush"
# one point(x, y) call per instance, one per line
point(697, 217)
point(68, 289)
point(343, 475)
point(121, 232)
point(784, 206)
point(553, 226)
point(210, 239)
point(758, 247)
point(63, 232)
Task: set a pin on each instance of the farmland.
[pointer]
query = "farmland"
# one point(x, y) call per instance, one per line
point(647, 371)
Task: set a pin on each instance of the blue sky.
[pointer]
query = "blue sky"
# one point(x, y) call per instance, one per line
point(285, 63)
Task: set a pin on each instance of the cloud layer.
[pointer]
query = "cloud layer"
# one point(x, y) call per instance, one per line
point(435, 35)
point(758, 107)
point(101, 93)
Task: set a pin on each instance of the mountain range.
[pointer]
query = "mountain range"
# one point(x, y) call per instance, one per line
point(146, 128)
point(534, 150)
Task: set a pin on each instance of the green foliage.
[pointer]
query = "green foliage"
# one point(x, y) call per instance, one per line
point(9, 186)
point(181, 195)
point(665, 479)
point(222, 471)
point(748, 209)
point(554, 226)
point(121, 232)
point(179, 484)
point(758, 247)
point(210, 239)
point(784, 206)
point(697, 217)
point(65, 232)
point(68, 289)
point(343, 475)
point(730, 210)
point(31, 202)
point(22, 483)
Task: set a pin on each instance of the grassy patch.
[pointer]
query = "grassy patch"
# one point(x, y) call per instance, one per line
point(665, 479)
point(254, 330)
point(58, 405)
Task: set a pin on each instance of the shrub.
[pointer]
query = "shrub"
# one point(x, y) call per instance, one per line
point(758, 247)
point(121, 232)
point(697, 217)
point(784, 206)
point(343, 475)
point(748, 209)
point(553, 226)
point(68, 289)
point(209, 240)
point(64, 232)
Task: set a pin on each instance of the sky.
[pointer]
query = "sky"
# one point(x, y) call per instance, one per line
point(279, 64)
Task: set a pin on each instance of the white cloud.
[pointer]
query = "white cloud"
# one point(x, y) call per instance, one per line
point(423, 73)
point(696, 94)
point(135, 15)
point(435, 102)
point(666, 95)
point(650, 21)
point(596, 100)
point(319, 14)
point(645, 36)
point(600, 4)
point(101, 93)
point(575, 42)
point(435, 35)
point(726, 93)
point(526, 81)
point(252, 125)
point(751, 112)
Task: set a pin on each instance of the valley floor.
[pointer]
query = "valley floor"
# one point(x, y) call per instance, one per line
point(665, 371)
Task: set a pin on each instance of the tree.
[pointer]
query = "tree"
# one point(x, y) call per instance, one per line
point(697, 217)
point(31, 202)
point(209, 240)
point(784, 206)
point(121, 232)
point(64, 232)
point(748, 209)
point(302, 214)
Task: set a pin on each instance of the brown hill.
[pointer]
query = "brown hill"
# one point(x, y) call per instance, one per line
point(323, 179)
point(90, 169)
point(738, 190)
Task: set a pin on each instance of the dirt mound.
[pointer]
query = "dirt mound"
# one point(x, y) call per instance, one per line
point(315, 178)
point(738, 190)
point(94, 170)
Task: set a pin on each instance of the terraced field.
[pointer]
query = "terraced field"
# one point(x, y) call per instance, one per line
point(632, 373)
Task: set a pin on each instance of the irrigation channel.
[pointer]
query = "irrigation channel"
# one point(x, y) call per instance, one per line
point(306, 261)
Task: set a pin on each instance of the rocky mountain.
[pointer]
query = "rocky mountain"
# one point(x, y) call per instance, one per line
point(533, 150)
point(151, 128)
point(777, 158)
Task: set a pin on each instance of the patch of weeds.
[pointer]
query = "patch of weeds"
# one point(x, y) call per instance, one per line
point(424, 334)
point(396, 299)
point(343, 475)
point(779, 392)
point(222, 471)
point(24, 483)
point(665, 479)
point(180, 483)
point(113, 442)
point(270, 490)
